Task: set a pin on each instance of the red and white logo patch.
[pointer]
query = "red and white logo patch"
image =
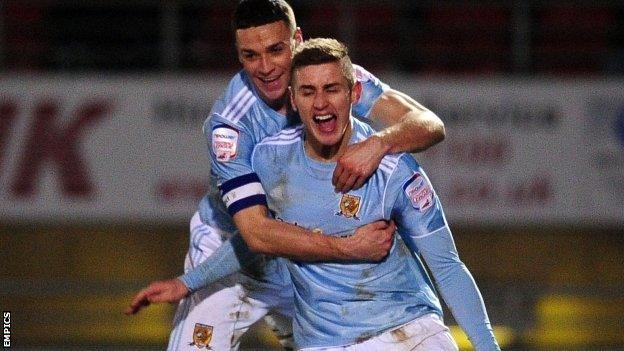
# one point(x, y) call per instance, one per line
point(419, 192)
point(224, 142)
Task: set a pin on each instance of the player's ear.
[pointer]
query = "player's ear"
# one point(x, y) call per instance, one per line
point(356, 91)
point(298, 36)
point(292, 98)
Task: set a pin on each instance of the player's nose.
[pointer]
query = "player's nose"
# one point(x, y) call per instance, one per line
point(266, 65)
point(320, 101)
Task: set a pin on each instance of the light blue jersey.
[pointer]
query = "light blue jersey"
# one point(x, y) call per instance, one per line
point(343, 303)
point(237, 122)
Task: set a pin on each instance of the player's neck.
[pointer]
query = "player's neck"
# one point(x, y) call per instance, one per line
point(282, 106)
point(327, 153)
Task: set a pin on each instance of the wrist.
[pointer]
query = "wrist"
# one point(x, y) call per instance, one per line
point(380, 144)
point(185, 284)
point(340, 247)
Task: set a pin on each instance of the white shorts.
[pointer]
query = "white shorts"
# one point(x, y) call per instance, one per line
point(426, 333)
point(216, 317)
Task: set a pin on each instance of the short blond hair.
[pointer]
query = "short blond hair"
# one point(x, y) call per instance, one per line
point(323, 50)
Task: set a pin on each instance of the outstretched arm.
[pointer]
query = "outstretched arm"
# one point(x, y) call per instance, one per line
point(370, 242)
point(172, 290)
point(408, 127)
point(229, 258)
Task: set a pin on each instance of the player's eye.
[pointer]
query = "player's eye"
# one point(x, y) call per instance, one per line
point(249, 55)
point(333, 89)
point(277, 49)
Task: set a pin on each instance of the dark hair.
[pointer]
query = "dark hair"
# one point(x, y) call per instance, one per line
point(323, 50)
point(254, 13)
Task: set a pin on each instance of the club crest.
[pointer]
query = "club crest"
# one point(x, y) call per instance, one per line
point(349, 206)
point(202, 335)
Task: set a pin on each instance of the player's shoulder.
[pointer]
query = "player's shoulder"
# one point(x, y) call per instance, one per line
point(364, 76)
point(405, 179)
point(414, 184)
point(276, 149)
point(236, 102)
point(372, 90)
point(398, 169)
point(285, 137)
point(389, 163)
point(361, 130)
point(406, 165)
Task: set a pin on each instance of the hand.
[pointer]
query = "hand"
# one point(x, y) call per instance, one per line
point(372, 242)
point(358, 162)
point(172, 290)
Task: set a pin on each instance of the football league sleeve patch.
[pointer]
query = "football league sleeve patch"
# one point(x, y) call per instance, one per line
point(419, 192)
point(242, 192)
point(225, 142)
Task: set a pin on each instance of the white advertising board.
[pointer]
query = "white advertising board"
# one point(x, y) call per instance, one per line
point(517, 152)
point(87, 148)
point(527, 151)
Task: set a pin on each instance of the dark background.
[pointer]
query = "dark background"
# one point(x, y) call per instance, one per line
point(547, 287)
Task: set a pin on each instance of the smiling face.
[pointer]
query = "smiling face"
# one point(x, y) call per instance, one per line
point(321, 95)
point(266, 54)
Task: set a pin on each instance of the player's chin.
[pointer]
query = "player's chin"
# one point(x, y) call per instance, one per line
point(327, 139)
point(274, 95)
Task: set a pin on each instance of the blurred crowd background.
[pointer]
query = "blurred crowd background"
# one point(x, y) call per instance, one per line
point(102, 160)
point(425, 37)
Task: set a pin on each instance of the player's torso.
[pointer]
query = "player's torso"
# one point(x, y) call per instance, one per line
point(339, 303)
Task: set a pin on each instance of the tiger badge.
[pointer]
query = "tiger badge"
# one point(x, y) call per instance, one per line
point(202, 335)
point(349, 206)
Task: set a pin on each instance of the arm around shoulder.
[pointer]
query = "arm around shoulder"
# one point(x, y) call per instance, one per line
point(407, 127)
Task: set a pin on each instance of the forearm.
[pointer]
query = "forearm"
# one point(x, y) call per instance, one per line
point(229, 258)
point(405, 125)
point(463, 298)
point(458, 288)
point(414, 132)
point(272, 237)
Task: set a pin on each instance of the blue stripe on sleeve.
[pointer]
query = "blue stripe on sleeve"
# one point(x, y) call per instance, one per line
point(238, 182)
point(247, 202)
point(242, 192)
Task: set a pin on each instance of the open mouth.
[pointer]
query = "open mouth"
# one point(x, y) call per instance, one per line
point(271, 83)
point(326, 123)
